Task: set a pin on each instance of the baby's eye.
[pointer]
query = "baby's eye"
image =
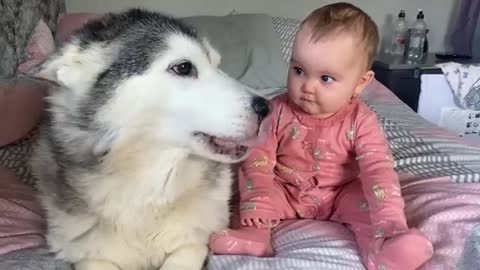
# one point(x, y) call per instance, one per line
point(327, 79)
point(298, 70)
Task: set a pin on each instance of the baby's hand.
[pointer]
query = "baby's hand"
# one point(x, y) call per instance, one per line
point(260, 223)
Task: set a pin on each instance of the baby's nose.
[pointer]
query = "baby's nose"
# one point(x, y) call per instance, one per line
point(309, 87)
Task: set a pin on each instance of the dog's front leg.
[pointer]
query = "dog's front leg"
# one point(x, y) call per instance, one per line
point(190, 257)
point(95, 265)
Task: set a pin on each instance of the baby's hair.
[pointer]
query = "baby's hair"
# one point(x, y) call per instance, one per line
point(343, 17)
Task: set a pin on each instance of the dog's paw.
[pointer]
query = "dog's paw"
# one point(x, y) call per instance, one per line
point(185, 265)
point(181, 267)
point(190, 257)
point(95, 265)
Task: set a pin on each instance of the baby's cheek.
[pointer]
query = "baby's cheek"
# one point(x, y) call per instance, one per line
point(292, 79)
point(293, 93)
point(316, 108)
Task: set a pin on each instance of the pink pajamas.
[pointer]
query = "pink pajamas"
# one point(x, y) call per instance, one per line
point(338, 169)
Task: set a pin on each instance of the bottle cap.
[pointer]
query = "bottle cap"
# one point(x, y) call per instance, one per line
point(420, 15)
point(401, 14)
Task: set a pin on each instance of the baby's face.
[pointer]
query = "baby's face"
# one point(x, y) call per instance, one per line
point(325, 74)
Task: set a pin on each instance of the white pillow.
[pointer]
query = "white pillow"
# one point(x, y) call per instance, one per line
point(249, 47)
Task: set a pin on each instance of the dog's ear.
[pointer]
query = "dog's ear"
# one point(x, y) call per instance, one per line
point(44, 71)
point(103, 143)
point(90, 146)
point(72, 66)
point(213, 54)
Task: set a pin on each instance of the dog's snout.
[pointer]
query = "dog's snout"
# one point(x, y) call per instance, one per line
point(260, 107)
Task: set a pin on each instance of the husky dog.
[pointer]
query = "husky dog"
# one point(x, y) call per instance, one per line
point(133, 157)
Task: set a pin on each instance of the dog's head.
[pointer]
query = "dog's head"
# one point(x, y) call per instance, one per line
point(140, 72)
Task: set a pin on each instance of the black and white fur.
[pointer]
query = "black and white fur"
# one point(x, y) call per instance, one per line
point(133, 156)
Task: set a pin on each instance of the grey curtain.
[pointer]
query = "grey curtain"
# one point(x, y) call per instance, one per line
point(466, 33)
point(17, 20)
point(476, 40)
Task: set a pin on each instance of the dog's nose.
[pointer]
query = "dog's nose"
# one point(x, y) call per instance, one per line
point(260, 107)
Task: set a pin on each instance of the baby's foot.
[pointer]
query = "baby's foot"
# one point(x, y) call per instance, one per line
point(407, 251)
point(265, 215)
point(243, 241)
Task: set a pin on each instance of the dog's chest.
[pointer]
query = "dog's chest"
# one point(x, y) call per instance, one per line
point(156, 215)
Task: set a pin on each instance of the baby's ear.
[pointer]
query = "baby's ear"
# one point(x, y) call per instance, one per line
point(364, 81)
point(213, 54)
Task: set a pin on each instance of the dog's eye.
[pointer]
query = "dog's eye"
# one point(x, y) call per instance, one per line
point(184, 69)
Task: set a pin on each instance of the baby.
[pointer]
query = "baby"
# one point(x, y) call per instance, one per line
point(326, 157)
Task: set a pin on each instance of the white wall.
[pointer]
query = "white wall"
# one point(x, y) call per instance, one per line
point(438, 13)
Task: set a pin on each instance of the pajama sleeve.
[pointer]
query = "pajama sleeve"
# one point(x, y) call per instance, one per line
point(380, 182)
point(256, 176)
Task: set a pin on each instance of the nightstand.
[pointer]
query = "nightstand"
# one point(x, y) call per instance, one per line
point(402, 77)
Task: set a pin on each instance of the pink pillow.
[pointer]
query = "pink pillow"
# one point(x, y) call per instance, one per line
point(21, 107)
point(39, 47)
point(68, 23)
point(22, 222)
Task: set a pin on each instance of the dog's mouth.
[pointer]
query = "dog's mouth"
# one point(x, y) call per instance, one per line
point(235, 149)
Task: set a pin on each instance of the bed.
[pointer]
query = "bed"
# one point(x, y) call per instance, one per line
point(440, 177)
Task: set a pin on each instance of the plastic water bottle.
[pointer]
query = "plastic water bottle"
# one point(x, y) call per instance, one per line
point(400, 30)
point(417, 37)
